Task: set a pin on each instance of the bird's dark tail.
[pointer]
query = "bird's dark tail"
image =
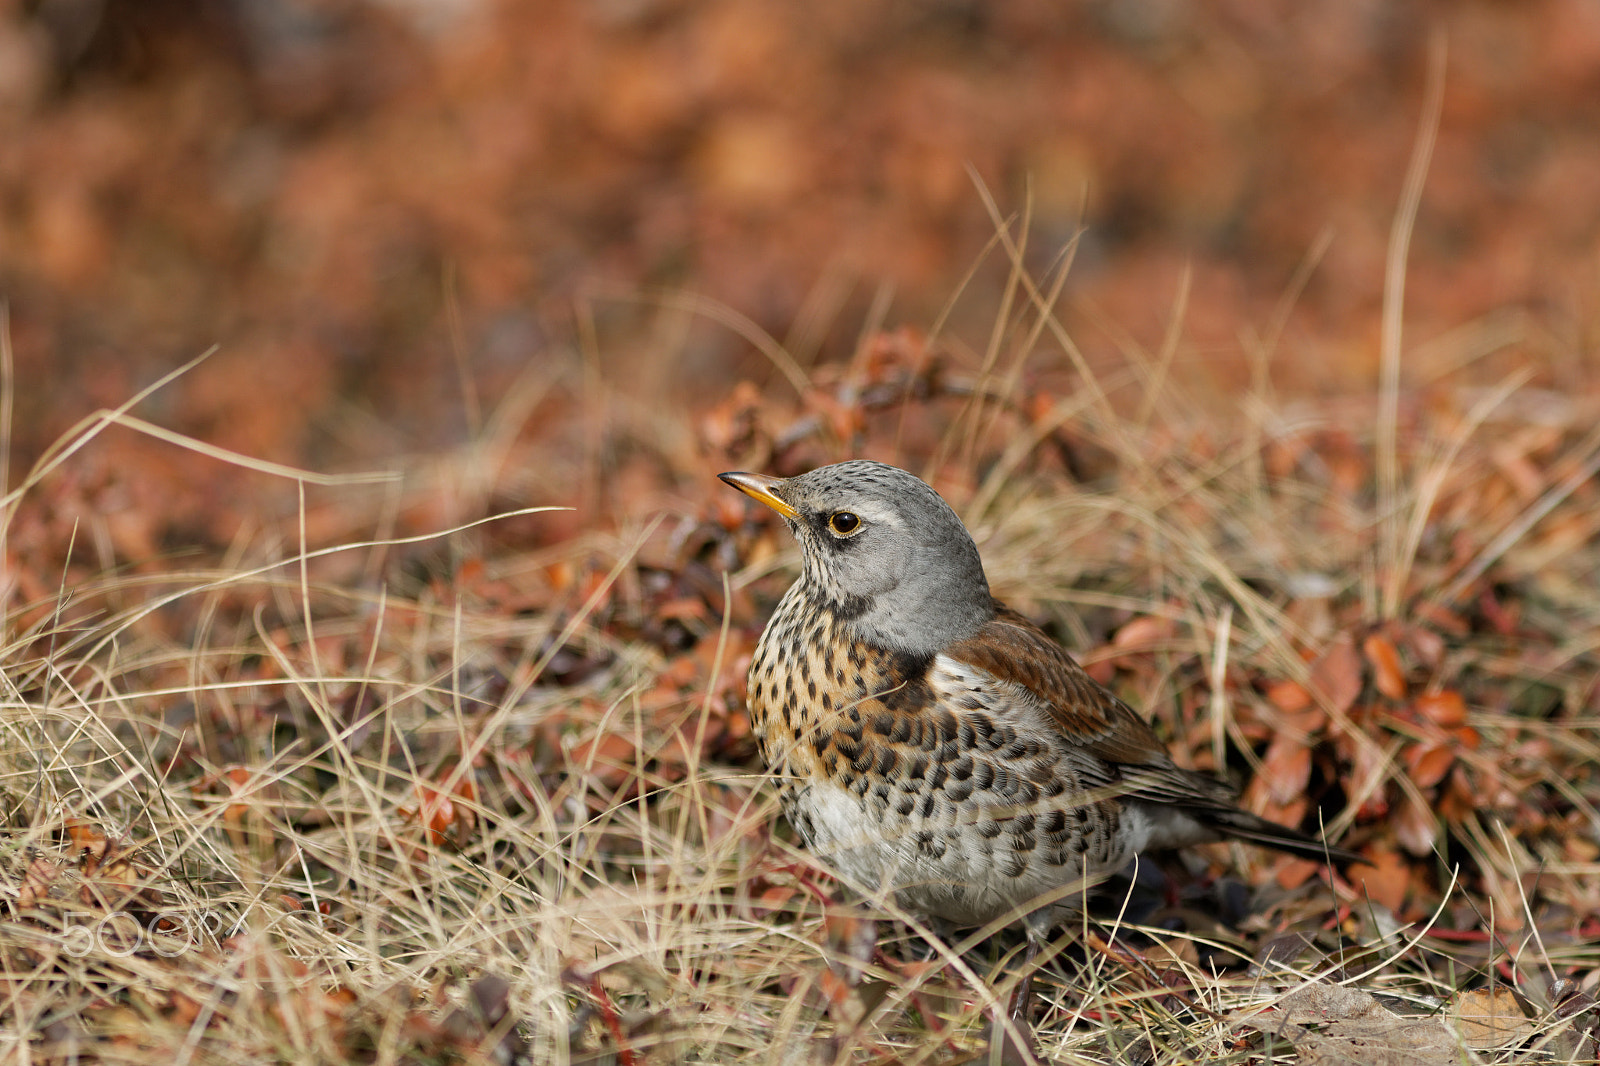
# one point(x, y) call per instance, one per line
point(1234, 822)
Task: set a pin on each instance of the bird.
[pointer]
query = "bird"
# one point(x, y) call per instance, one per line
point(935, 745)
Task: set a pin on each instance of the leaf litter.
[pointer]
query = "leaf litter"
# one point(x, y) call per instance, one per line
point(494, 795)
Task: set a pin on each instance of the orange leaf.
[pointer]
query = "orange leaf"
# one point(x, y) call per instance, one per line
point(839, 994)
point(1295, 872)
point(1444, 618)
point(1288, 696)
point(85, 837)
point(1337, 675)
point(683, 608)
point(181, 1009)
point(1386, 669)
point(773, 899)
point(610, 758)
point(93, 847)
point(1287, 769)
point(1445, 708)
point(1385, 876)
point(446, 821)
point(1429, 763)
point(1143, 632)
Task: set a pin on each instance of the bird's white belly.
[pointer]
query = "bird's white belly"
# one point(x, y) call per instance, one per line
point(959, 881)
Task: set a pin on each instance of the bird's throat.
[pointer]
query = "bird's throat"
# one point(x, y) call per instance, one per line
point(920, 630)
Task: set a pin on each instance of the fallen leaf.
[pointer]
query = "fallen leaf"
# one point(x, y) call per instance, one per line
point(1367, 778)
point(88, 841)
point(1331, 1025)
point(1384, 875)
point(1428, 763)
point(1387, 673)
point(1143, 633)
point(1445, 708)
point(1100, 667)
point(610, 758)
point(773, 898)
point(1491, 1018)
point(36, 882)
point(1289, 696)
point(1286, 769)
point(1336, 676)
point(1416, 827)
point(1425, 645)
point(1294, 872)
point(447, 817)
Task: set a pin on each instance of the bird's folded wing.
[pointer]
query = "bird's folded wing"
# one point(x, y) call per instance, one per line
point(1014, 650)
point(1134, 763)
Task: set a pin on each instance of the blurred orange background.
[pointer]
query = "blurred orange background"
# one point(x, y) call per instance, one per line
point(378, 207)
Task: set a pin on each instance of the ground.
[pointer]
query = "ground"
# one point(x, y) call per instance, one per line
point(374, 683)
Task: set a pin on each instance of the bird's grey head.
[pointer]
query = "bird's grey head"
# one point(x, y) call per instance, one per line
point(884, 550)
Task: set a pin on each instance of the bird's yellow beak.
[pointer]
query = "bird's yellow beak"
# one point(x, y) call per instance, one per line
point(762, 488)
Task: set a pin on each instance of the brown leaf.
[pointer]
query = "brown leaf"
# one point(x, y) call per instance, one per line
point(684, 608)
point(1458, 799)
point(773, 898)
point(1286, 768)
point(1100, 666)
point(1425, 645)
point(447, 817)
point(1367, 777)
point(1384, 659)
point(1331, 1025)
point(1337, 675)
point(1491, 1018)
point(1445, 708)
point(1293, 872)
point(1289, 696)
point(844, 1003)
point(1428, 763)
point(610, 758)
point(1416, 827)
point(1143, 633)
point(1385, 876)
point(1445, 619)
point(88, 841)
point(36, 882)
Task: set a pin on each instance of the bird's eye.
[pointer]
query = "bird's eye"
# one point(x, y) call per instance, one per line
point(844, 523)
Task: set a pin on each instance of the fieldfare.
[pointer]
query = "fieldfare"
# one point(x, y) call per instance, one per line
point(932, 743)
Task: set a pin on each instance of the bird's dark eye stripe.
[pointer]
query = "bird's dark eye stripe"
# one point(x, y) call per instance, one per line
point(844, 522)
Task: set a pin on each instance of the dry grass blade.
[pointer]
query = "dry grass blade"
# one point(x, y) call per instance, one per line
point(1393, 308)
point(398, 804)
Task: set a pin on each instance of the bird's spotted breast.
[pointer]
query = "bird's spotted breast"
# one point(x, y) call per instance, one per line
point(918, 775)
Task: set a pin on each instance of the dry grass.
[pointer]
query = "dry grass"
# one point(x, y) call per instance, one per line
point(301, 801)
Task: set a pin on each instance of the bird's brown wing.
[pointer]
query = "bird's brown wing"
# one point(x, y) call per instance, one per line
point(1012, 649)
